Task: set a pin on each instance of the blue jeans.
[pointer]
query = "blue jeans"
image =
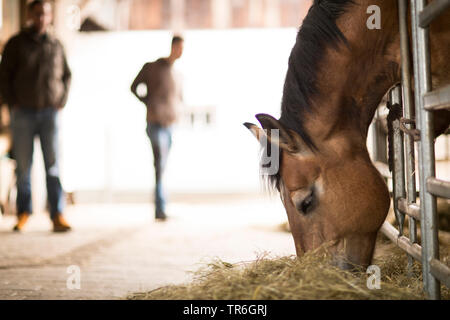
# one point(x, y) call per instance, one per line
point(161, 140)
point(25, 125)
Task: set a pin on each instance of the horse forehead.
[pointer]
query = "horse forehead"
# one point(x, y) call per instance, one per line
point(299, 172)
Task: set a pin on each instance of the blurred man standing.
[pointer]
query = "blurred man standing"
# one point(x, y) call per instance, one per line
point(162, 97)
point(34, 82)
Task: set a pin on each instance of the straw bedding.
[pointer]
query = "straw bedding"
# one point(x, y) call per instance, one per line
point(290, 278)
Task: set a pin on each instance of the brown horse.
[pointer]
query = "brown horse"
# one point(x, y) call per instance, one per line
point(339, 70)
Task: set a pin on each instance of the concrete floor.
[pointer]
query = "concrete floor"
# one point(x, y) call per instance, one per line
point(120, 249)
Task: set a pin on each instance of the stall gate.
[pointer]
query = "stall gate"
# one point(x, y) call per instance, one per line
point(402, 153)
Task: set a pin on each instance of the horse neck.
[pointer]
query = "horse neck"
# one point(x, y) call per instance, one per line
point(353, 79)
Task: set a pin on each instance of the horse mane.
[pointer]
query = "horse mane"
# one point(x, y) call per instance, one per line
point(317, 32)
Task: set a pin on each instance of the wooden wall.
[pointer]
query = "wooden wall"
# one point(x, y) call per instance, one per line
point(175, 15)
point(11, 20)
point(207, 14)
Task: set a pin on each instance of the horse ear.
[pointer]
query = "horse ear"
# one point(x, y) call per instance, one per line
point(287, 139)
point(257, 132)
point(284, 139)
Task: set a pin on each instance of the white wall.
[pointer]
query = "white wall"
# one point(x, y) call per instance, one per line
point(105, 146)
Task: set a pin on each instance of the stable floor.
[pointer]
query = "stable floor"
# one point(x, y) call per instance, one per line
point(119, 249)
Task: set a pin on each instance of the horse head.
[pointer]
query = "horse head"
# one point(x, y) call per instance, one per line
point(328, 193)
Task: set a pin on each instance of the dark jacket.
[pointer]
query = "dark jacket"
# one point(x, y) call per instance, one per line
point(34, 72)
point(163, 92)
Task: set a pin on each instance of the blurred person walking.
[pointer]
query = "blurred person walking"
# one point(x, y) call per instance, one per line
point(34, 82)
point(161, 99)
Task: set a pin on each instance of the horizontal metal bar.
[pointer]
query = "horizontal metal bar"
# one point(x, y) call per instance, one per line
point(440, 271)
point(413, 249)
point(439, 188)
point(383, 168)
point(412, 210)
point(437, 99)
point(437, 268)
point(432, 11)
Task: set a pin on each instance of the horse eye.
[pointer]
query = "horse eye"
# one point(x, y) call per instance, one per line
point(308, 204)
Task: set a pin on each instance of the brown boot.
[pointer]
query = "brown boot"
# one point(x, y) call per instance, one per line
point(60, 225)
point(21, 221)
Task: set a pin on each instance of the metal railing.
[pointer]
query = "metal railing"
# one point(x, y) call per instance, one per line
point(403, 162)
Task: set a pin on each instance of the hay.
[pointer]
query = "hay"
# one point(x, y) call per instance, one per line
point(290, 278)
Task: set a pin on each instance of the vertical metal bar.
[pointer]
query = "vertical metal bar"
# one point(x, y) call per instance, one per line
point(398, 175)
point(379, 140)
point(408, 111)
point(375, 137)
point(430, 249)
